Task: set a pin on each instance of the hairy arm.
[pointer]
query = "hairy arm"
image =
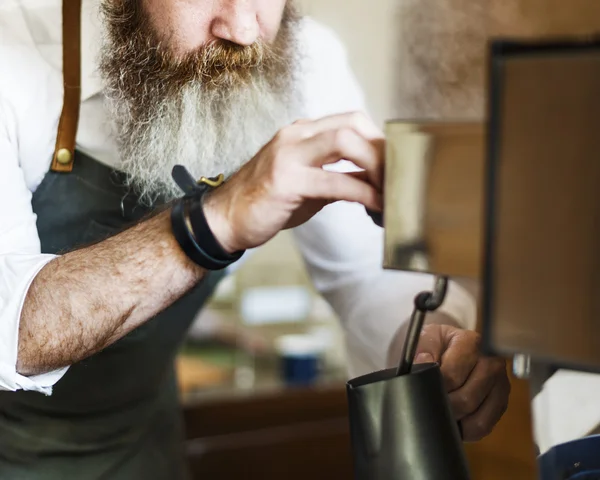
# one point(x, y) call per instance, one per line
point(83, 301)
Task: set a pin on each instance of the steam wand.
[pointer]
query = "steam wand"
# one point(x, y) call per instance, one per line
point(424, 302)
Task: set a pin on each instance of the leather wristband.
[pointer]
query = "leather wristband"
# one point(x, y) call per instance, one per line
point(191, 229)
point(198, 245)
point(200, 225)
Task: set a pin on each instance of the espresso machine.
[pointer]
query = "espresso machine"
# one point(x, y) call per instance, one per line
point(512, 205)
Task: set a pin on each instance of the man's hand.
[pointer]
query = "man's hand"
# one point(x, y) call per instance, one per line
point(285, 184)
point(478, 386)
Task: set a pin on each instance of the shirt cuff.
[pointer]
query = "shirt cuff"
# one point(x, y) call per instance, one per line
point(10, 380)
point(40, 383)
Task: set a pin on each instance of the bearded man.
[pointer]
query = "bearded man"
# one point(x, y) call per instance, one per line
point(103, 268)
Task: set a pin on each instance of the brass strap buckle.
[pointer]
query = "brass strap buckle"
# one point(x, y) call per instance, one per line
point(192, 187)
point(213, 182)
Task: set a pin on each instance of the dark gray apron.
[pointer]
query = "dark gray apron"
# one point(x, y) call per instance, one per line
point(116, 414)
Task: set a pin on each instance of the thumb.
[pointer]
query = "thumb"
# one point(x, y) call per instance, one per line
point(424, 358)
point(431, 345)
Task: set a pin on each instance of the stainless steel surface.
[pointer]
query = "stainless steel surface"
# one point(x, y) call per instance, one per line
point(433, 197)
point(402, 427)
point(411, 341)
point(437, 297)
point(522, 366)
point(542, 272)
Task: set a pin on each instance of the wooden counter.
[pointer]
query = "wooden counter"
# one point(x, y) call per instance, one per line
point(289, 434)
point(303, 434)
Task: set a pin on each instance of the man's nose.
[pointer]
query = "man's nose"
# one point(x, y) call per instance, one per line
point(236, 21)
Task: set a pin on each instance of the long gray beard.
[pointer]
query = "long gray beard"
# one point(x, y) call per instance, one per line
point(206, 131)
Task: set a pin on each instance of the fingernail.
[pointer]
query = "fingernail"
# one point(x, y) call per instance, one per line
point(424, 358)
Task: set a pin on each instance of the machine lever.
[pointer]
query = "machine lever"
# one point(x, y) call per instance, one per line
point(424, 302)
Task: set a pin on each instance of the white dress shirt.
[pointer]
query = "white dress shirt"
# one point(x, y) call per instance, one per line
point(341, 245)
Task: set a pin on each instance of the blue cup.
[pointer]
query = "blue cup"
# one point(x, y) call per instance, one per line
point(299, 357)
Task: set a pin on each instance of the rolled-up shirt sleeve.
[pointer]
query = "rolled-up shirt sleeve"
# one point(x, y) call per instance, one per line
point(17, 271)
point(20, 260)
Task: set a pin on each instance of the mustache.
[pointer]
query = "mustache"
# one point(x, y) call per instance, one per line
point(227, 55)
point(220, 63)
point(139, 64)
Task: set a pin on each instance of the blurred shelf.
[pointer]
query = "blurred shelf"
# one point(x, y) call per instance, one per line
point(209, 374)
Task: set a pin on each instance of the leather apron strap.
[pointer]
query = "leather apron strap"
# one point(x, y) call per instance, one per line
point(64, 151)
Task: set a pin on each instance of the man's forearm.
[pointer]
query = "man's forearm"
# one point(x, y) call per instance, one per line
point(83, 301)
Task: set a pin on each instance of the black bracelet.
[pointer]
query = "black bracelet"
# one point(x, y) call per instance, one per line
point(194, 243)
point(200, 225)
point(191, 229)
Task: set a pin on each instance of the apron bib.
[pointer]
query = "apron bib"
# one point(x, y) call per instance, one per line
point(116, 414)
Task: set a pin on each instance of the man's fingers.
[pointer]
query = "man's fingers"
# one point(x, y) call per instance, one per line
point(478, 386)
point(480, 424)
point(361, 175)
point(345, 144)
point(356, 121)
point(340, 186)
point(306, 212)
point(460, 358)
point(349, 136)
point(468, 398)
